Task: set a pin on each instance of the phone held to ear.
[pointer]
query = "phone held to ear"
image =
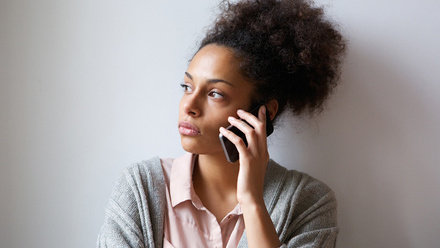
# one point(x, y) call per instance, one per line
point(229, 148)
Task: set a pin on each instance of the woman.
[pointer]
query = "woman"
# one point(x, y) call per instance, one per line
point(276, 54)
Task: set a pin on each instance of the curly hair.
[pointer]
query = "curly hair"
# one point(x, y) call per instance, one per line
point(286, 48)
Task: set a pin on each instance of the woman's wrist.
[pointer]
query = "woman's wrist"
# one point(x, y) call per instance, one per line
point(259, 227)
point(252, 205)
point(249, 199)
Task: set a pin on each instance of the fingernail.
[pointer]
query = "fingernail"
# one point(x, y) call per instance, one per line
point(240, 111)
point(264, 109)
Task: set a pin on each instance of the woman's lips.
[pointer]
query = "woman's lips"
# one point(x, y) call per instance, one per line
point(186, 128)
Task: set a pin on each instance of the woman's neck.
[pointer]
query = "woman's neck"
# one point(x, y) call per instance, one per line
point(215, 183)
point(214, 169)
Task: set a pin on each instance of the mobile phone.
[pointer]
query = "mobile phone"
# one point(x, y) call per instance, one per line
point(229, 148)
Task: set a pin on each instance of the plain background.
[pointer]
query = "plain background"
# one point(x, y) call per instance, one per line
point(89, 87)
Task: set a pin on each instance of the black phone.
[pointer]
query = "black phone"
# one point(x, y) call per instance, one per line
point(229, 148)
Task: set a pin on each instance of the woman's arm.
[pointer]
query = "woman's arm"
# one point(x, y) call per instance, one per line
point(308, 219)
point(259, 227)
point(134, 214)
point(121, 226)
point(253, 164)
point(302, 209)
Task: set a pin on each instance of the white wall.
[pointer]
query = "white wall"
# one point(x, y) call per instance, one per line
point(88, 87)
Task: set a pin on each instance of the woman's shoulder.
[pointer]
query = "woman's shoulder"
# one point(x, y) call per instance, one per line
point(298, 199)
point(139, 184)
point(300, 186)
point(142, 176)
point(145, 170)
point(145, 165)
point(136, 206)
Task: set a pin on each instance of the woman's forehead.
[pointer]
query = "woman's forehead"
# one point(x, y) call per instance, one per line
point(216, 62)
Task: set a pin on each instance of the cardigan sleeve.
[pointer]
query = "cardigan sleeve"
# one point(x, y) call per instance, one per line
point(318, 228)
point(302, 209)
point(311, 220)
point(121, 226)
point(133, 217)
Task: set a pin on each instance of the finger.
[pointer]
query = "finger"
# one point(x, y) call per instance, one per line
point(250, 133)
point(240, 124)
point(262, 117)
point(259, 123)
point(235, 139)
point(260, 126)
point(262, 113)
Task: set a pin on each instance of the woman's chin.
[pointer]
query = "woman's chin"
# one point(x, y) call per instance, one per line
point(195, 147)
point(191, 146)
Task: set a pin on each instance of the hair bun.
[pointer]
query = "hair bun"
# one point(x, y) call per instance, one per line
point(287, 48)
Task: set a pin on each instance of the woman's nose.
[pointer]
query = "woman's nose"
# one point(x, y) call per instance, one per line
point(191, 105)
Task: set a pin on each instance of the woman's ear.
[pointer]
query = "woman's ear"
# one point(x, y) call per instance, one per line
point(272, 108)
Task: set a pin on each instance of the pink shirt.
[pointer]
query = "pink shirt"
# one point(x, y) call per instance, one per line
point(187, 222)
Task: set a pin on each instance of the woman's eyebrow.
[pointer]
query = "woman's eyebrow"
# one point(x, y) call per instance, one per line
point(214, 80)
point(188, 75)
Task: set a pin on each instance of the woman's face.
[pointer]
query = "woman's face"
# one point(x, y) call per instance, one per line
point(213, 90)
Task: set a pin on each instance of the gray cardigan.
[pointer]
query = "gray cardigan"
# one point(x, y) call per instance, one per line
point(302, 209)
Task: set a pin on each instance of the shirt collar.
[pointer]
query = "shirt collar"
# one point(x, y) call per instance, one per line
point(181, 186)
point(181, 179)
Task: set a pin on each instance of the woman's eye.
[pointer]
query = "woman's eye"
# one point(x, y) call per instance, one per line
point(185, 87)
point(215, 94)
